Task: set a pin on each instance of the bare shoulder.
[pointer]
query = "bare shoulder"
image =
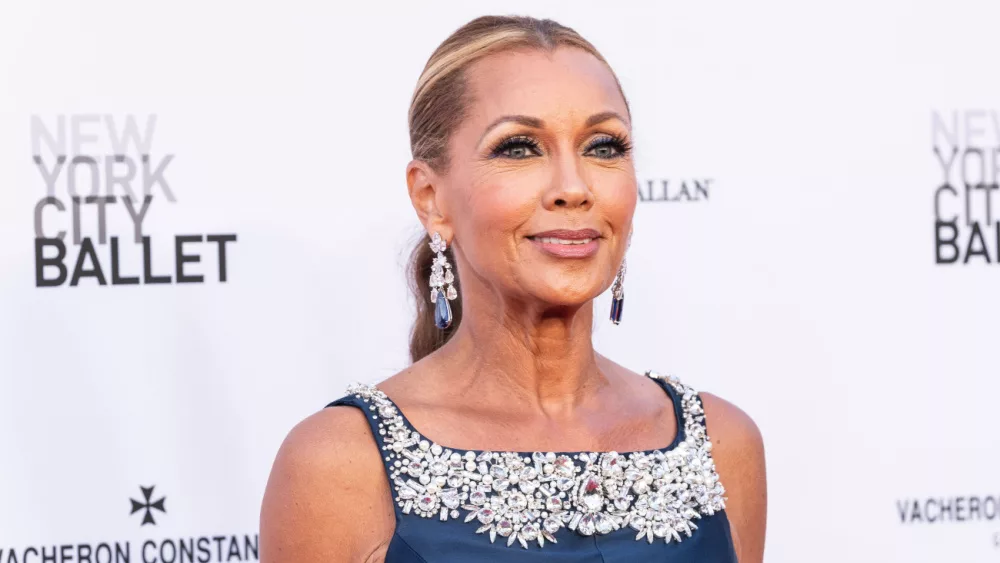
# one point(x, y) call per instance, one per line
point(731, 428)
point(327, 498)
point(738, 451)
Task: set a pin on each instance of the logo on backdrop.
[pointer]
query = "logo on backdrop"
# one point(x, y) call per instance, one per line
point(674, 190)
point(950, 510)
point(85, 185)
point(187, 549)
point(148, 505)
point(966, 147)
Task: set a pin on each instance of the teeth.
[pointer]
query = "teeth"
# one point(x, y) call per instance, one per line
point(563, 241)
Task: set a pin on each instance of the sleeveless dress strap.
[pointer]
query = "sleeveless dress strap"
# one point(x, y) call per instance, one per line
point(688, 408)
point(371, 413)
point(676, 397)
point(377, 410)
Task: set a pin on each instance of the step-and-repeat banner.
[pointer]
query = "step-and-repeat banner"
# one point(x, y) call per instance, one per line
point(204, 224)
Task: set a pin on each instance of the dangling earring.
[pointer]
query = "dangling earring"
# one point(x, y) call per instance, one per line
point(618, 295)
point(618, 289)
point(441, 275)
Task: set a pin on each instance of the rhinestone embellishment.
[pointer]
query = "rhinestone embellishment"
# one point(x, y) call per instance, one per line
point(529, 498)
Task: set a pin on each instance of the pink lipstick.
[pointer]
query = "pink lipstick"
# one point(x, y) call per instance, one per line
point(565, 243)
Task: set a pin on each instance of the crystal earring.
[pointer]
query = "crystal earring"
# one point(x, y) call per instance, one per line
point(441, 275)
point(618, 295)
point(618, 289)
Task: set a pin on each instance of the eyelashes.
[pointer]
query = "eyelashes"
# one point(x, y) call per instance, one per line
point(609, 146)
point(518, 147)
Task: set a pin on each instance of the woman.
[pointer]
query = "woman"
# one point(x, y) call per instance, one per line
point(522, 175)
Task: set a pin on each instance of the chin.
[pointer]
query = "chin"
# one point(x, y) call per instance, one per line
point(569, 298)
point(564, 289)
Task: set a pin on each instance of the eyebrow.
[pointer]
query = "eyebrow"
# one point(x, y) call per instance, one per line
point(537, 123)
point(526, 120)
point(604, 116)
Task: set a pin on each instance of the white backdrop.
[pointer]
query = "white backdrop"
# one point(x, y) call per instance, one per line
point(804, 288)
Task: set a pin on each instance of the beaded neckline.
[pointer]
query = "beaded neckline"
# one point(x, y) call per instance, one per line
point(675, 403)
point(529, 497)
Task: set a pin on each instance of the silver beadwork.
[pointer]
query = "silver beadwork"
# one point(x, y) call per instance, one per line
point(528, 497)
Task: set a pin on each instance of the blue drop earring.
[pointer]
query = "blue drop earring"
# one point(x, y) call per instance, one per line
point(618, 289)
point(618, 295)
point(441, 276)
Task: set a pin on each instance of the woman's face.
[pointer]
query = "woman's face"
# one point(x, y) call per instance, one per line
point(540, 189)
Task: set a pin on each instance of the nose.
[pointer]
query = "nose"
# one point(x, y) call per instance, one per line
point(569, 188)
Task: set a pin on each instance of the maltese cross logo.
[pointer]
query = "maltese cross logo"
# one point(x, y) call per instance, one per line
point(148, 505)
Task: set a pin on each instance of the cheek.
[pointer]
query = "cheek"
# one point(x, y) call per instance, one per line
point(500, 202)
point(618, 191)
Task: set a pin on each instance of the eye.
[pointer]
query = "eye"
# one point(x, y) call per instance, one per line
point(608, 147)
point(516, 147)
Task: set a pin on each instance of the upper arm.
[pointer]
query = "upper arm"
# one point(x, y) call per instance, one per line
point(738, 451)
point(327, 498)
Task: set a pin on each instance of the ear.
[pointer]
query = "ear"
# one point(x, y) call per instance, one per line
point(424, 186)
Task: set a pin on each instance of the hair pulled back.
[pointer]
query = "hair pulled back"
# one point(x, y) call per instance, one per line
point(440, 102)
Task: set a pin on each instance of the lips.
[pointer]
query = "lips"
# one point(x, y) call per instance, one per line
point(553, 240)
point(566, 236)
point(564, 243)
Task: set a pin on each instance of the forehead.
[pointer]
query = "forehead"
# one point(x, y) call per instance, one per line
point(566, 83)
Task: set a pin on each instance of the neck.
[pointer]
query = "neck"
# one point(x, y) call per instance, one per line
point(523, 353)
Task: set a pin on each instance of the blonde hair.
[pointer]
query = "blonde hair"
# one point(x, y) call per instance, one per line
point(440, 102)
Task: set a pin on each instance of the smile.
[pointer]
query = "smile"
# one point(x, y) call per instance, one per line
point(564, 243)
point(552, 240)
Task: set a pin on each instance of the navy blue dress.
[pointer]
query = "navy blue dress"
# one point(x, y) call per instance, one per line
point(453, 505)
